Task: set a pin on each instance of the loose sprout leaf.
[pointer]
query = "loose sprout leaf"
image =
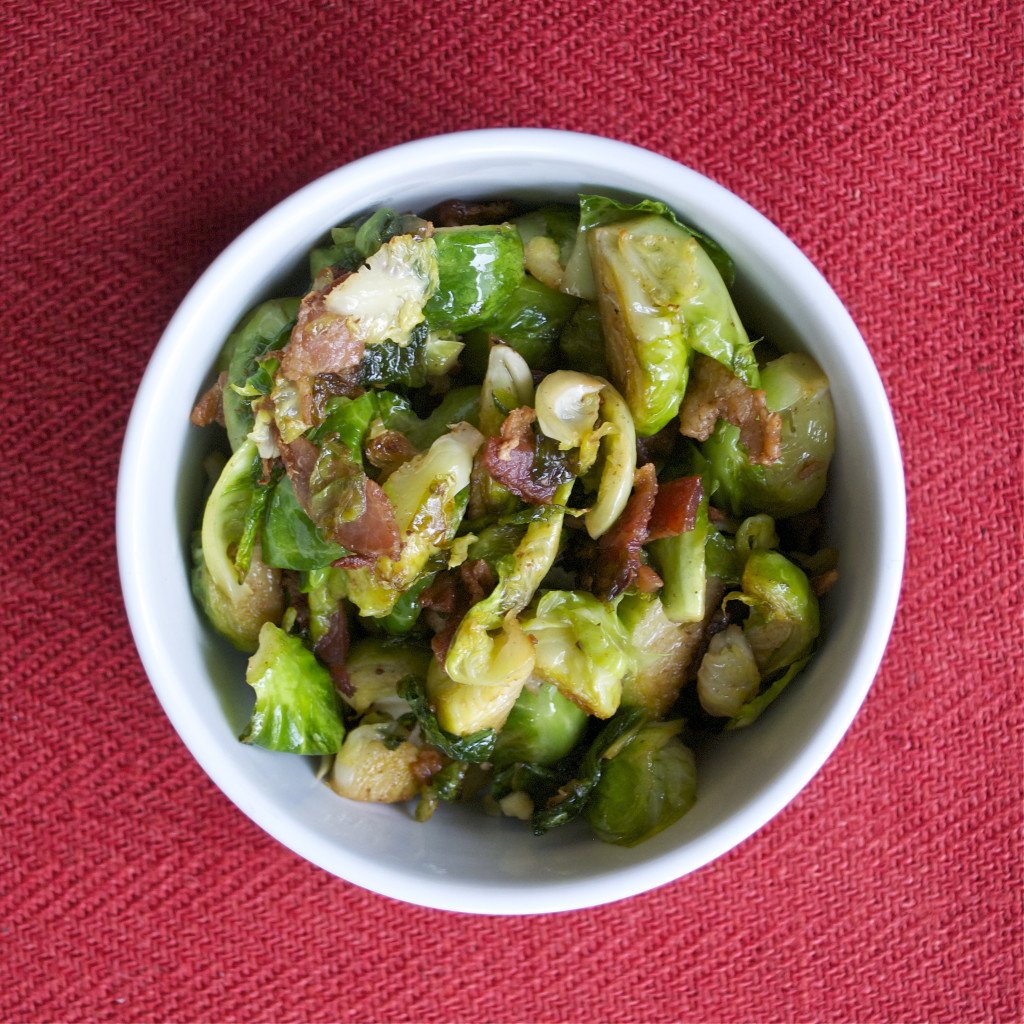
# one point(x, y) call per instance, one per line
point(265, 329)
point(753, 709)
point(475, 748)
point(253, 524)
point(290, 539)
point(571, 799)
point(296, 704)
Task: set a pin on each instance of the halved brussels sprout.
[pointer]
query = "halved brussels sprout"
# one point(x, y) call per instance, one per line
point(384, 300)
point(263, 330)
point(581, 647)
point(478, 270)
point(370, 767)
point(796, 388)
point(296, 703)
point(548, 236)
point(663, 649)
point(783, 622)
point(649, 784)
point(464, 710)
point(542, 727)
point(236, 608)
point(728, 675)
point(376, 667)
point(508, 384)
point(427, 496)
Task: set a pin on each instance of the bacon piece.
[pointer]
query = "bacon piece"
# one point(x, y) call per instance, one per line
point(824, 582)
point(509, 458)
point(321, 342)
point(675, 507)
point(299, 458)
point(332, 650)
point(618, 551)
point(714, 393)
point(389, 450)
point(372, 535)
point(657, 447)
point(647, 580)
point(210, 406)
point(375, 532)
point(455, 213)
point(450, 596)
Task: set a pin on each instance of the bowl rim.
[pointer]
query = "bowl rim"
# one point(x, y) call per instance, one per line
point(549, 895)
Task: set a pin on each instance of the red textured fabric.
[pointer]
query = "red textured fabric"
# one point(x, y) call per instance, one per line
point(140, 138)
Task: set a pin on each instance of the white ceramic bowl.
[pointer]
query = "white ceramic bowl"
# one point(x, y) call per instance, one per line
point(463, 860)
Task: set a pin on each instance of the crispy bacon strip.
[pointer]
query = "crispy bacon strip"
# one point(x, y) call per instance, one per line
point(375, 532)
point(210, 406)
point(332, 650)
point(450, 596)
point(372, 535)
point(509, 458)
point(299, 458)
point(454, 213)
point(713, 394)
point(321, 341)
point(618, 551)
point(675, 507)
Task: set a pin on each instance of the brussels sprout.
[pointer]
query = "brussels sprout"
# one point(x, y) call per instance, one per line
point(581, 646)
point(352, 243)
point(548, 235)
point(478, 658)
point(290, 539)
point(370, 767)
point(597, 210)
point(263, 330)
point(508, 384)
point(752, 710)
point(474, 747)
point(478, 269)
point(458, 405)
point(663, 650)
point(728, 675)
point(465, 710)
point(529, 322)
point(796, 388)
point(237, 608)
point(682, 566)
point(582, 342)
point(428, 499)
point(324, 588)
point(569, 800)
point(783, 621)
point(296, 703)
point(649, 784)
point(567, 403)
point(376, 667)
point(619, 468)
point(542, 727)
point(406, 611)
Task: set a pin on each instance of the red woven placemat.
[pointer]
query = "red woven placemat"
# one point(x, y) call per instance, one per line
point(140, 138)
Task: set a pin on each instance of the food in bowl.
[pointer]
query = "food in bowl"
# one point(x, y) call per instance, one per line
point(515, 510)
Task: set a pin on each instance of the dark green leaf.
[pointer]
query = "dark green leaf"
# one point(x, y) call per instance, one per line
point(290, 539)
point(475, 748)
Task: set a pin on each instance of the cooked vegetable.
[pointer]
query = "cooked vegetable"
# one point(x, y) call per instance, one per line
point(649, 784)
point(236, 607)
point(795, 388)
point(783, 621)
point(426, 495)
point(475, 552)
point(542, 727)
point(263, 331)
point(478, 270)
point(296, 705)
point(581, 647)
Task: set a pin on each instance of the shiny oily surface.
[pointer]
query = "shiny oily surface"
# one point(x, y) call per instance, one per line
point(463, 860)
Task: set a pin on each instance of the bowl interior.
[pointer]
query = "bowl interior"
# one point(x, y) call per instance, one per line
point(462, 859)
